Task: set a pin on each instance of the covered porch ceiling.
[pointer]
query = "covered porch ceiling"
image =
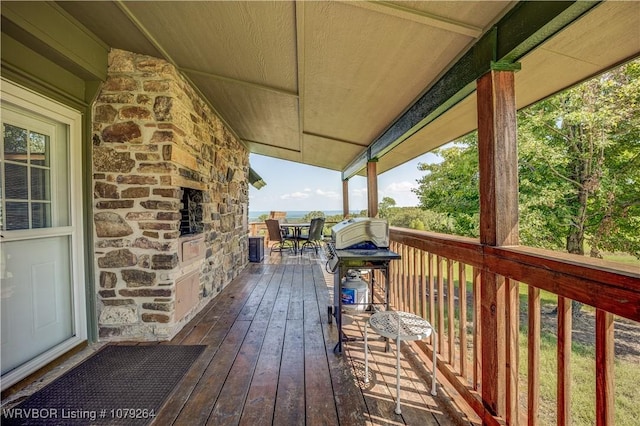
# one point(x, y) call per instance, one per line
point(333, 84)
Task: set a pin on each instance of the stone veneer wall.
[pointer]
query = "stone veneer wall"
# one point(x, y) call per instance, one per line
point(152, 135)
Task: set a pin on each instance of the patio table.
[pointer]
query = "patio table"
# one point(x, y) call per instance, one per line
point(297, 232)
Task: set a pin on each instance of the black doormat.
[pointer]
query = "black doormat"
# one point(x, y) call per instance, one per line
point(119, 385)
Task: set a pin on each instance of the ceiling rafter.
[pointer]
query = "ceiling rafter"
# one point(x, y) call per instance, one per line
point(419, 17)
point(305, 134)
point(239, 82)
point(334, 139)
point(270, 145)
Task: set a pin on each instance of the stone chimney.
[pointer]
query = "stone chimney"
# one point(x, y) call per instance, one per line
point(155, 140)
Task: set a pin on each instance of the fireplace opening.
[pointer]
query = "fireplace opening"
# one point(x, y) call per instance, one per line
point(191, 212)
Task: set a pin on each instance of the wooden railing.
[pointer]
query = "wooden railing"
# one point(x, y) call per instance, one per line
point(441, 278)
point(258, 229)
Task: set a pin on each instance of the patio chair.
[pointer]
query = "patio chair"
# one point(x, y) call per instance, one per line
point(276, 236)
point(314, 238)
point(273, 214)
point(282, 218)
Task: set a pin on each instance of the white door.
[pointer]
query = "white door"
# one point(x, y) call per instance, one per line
point(42, 298)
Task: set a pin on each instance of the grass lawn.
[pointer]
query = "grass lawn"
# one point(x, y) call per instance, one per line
point(627, 378)
point(627, 369)
point(626, 381)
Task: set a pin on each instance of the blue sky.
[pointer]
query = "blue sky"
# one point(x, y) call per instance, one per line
point(292, 186)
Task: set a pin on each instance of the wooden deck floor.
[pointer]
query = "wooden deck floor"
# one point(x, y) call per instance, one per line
point(269, 359)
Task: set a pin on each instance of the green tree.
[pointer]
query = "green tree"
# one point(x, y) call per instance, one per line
point(384, 207)
point(417, 224)
point(312, 215)
point(450, 187)
point(417, 218)
point(579, 153)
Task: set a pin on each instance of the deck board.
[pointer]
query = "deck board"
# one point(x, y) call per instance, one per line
point(269, 359)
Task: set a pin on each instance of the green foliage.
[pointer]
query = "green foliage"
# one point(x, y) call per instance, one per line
point(450, 188)
point(417, 224)
point(312, 215)
point(420, 219)
point(579, 174)
point(579, 171)
point(384, 207)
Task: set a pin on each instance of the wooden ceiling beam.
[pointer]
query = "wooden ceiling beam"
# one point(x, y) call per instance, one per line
point(423, 18)
point(238, 82)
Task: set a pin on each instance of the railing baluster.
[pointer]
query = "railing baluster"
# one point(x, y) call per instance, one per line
point(462, 292)
point(416, 281)
point(451, 312)
point(405, 278)
point(396, 278)
point(440, 267)
point(513, 329)
point(423, 283)
point(604, 368)
point(564, 361)
point(477, 336)
point(533, 391)
point(432, 295)
point(410, 280)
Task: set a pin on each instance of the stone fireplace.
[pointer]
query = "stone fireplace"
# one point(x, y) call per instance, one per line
point(191, 212)
point(170, 200)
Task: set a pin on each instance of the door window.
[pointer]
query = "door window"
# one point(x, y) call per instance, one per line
point(34, 192)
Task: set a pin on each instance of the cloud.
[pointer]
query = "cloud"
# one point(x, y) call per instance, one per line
point(294, 195)
point(358, 193)
point(404, 186)
point(328, 194)
point(401, 193)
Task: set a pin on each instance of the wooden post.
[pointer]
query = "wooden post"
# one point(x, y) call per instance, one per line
point(498, 165)
point(372, 188)
point(498, 155)
point(345, 198)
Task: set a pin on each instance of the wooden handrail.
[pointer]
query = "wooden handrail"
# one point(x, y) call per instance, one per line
point(427, 272)
point(611, 286)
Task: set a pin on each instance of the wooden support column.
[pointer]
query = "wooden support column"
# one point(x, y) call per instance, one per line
point(372, 188)
point(498, 164)
point(345, 198)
